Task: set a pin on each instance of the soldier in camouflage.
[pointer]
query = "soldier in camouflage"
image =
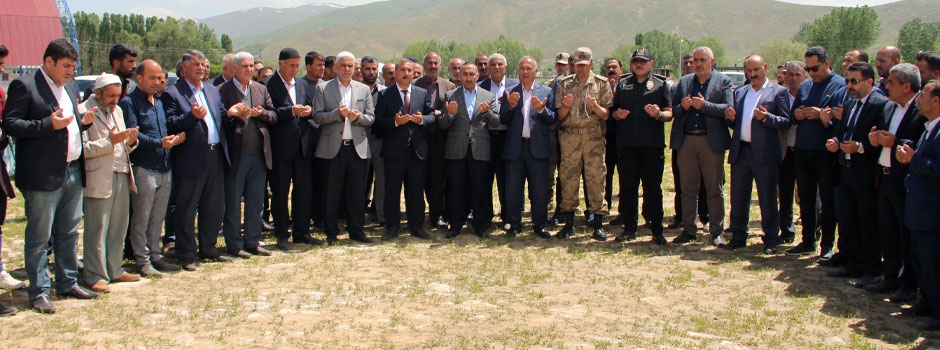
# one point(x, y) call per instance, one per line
point(582, 101)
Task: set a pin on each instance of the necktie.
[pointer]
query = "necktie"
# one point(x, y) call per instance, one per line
point(526, 105)
point(407, 105)
point(850, 129)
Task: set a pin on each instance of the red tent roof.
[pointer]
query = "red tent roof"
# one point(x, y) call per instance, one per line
point(26, 27)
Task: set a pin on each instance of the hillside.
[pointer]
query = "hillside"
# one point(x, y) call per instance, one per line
point(383, 29)
point(260, 20)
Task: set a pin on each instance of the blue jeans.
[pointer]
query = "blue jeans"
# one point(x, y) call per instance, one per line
point(53, 214)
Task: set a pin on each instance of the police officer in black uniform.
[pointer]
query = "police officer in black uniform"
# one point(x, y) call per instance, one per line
point(641, 107)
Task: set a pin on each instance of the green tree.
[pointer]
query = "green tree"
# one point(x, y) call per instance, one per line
point(917, 35)
point(226, 42)
point(780, 51)
point(841, 30)
point(667, 49)
point(718, 48)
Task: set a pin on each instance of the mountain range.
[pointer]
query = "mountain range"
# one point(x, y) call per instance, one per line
point(384, 29)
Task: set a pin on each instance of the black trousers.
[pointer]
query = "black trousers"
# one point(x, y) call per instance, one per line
point(346, 181)
point(411, 172)
point(894, 237)
point(785, 188)
point(497, 143)
point(927, 267)
point(299, 172)
point(436, 174)
point(206, 195)
point(478, 196)
point(612, 160)
point(815, 173)
point(646, 165)
point(858, 232)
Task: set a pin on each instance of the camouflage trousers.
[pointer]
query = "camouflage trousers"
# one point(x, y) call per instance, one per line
point(583, 152)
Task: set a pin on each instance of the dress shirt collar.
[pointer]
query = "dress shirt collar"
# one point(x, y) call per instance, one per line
point(193, 87)
point(762, 87)
point(288, 84)
point(49, 80)
point(243, 89)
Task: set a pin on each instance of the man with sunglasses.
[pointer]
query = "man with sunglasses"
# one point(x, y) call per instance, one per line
point(815, 174)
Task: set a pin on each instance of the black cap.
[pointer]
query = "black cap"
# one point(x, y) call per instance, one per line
point(641, 53)
point(288, 53)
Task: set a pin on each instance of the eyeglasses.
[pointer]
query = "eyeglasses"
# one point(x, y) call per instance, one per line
point(815, 68)
point(855, 81)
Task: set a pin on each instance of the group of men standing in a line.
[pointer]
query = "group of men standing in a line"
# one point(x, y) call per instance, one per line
point(197, 157)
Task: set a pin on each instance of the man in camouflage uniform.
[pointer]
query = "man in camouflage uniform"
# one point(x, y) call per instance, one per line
point(582, 101)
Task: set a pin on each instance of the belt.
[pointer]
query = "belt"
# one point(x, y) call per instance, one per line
point(847, 163)
point(696, 133)
point(347, 142)
point(587, 130)
point(525, 140)
point(213, 146)
point(885, 170)
point(745, 144)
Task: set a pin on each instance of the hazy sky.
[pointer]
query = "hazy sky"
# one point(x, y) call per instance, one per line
point(209, 8)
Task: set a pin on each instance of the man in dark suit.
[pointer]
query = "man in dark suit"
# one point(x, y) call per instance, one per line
point(292, 152)
point(498, 84)
point(198, 163)
point(525, 109)
point(900, 123)
point(434, 188)
point(467, 116)
point(41, 114)
point(922, 205)
point(344, 111)
point(249, 144)
point(700, 133)
point(858, 231)
point(760, 117)
point(315, 64)
point(814, 164)
point(403, 114)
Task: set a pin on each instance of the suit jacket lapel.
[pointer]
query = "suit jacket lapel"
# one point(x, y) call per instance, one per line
point(45, 91)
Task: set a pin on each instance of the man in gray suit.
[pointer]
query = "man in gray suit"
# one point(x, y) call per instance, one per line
point(468, 114)
point(344, 111)
point(701, 135)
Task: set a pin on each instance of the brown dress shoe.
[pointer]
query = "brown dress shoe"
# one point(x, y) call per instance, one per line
point(100, 287)
point(127, 277)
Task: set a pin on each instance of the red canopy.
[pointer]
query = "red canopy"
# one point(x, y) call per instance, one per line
point(26, 28)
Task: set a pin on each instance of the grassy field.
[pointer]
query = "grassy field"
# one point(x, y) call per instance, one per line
point(464, 293)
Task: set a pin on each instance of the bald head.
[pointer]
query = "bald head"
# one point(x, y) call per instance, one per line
point(756, 70)
point(887, 57)
point(149, 77)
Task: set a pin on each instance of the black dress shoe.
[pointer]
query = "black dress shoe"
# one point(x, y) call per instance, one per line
point(787, 237)
point(932, 324)
point(220, 258)
point(189, 266)
point(802, 249)
point(240, 254)
point(7, 310)
point(420, 233)
point(390, 234)
point(542, 232)
point(79, 293)
point(735, 244)
point(512, 232)
point(617, 221)
point(259, 251)
point(307, 239)
point(881, 287)
point(903, 294)
point(282, 244)
point(483, 233)
point(42, 305)
point(659, 239)
point(360, 237)
point(331, 240)
point(163, 266)
point(266, 226)
point(867, 281)
point(917, 310)
point(844, 273)
point(770, 250)
point(626, 236)
point(674, 225)
point(683, 238)
point(452, 233)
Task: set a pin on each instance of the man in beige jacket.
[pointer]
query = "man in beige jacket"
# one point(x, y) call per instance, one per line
point(106, 146)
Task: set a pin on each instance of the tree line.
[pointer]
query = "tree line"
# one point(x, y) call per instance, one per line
point(165, 40)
